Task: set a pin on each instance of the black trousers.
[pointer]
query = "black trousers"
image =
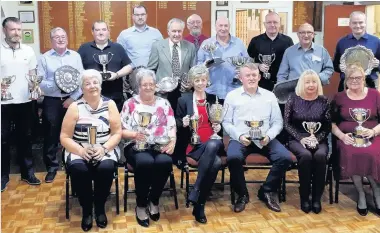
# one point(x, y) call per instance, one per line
point(152, 170)
point(370, 83)
point(82, 174)
point(19, 115)
point(52, 116)
point(311, 168)
point(209, 164)
point(118, 98)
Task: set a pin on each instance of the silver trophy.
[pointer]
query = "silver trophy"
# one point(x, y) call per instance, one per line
point(255, 132)
point(91, 139)
point(67, 78)
point(360, 115)
point(216, 113)
point(267, 60)
point(143, 120)
point(161, 141)
point(168, 84)
point(237, 62)
point(104, 59)
point(35, 91)
point(211, 47)
point(194, 125)
point(5, 83)
point(359, 55)
point(312, 128)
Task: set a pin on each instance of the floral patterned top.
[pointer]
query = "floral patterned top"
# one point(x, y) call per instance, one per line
point(161, 123)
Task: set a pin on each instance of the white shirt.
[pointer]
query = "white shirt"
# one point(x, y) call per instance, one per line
point(171, 44)
point(17, 62)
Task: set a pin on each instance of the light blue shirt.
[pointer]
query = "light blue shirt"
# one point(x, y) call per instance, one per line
point(296, 61)
point(242, 106)
point(138, 44)
point(221, 76)
point(49, 62)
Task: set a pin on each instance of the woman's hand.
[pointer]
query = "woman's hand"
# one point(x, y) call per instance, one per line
point(139, 136)
point(186, 121)
point(86, 153)
point(98, 153)
point(169, 148)
point(216, 127)
point(368, 133)
point(347, 139)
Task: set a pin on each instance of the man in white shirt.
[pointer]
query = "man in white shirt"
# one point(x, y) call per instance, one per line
point(17, 60)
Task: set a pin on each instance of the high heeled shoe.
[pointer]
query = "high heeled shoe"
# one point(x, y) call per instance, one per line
point(86, 223)
point(377, 209)
point(144, 222)
point(199, 213)
point(154, 217)
point(101, 220)
point(362, 212)
point(305, 206)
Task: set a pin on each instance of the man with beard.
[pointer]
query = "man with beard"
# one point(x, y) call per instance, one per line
point(56, 101)
point(194, 24)
point(17, 60)
point(119, 64)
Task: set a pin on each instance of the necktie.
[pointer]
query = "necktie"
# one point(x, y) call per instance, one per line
point(175, 62)
point(196, 43)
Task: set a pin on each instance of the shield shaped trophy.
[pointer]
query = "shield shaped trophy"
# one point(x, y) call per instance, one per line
point(211, 47)
point(67, 78)
point(103, 59)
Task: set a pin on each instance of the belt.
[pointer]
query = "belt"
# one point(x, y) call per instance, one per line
point(60, 98)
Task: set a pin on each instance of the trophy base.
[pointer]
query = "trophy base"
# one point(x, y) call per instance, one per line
point(255, 138)
point(106, 76)
point(6, 98)
point(266, 75)
point(214, 62)
point(361, 142)
point(140, 147)
point(34, 96)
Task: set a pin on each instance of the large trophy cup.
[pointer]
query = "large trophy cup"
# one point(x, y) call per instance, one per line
point(216, 113)
point(360, 115)
point(312, 128)
point(210, 48)
point(238, 61)
point(255, 132)
point(359, 55)
point(267, 60)
point(143, 120)
point(162, 141)
point(5, 83)
point(35, 91)
point(194, 125)
point(104, 59)
point(91, 139)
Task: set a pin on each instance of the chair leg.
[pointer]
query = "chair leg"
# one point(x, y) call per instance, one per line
point(330, 183)
point(336, 190)
point(172, 186)
point(283, 188)
point(182, 178)
point(187, 185)
point(222, 179)
point(117, 190)
point(232, 196)
point(125, 188)
point(67, 196)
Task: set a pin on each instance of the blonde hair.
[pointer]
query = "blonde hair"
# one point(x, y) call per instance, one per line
point(352, 68)
point(300, 88)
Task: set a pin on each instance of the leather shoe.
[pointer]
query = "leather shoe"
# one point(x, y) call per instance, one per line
point(269, 200)
point(86, 223)
point(362, 212)
point(143, 223)
point(317, 207)
point(50, 176)
point(240, 203)
point(154, 217)
point(199, 213)
point(305, 206)
point(101, 220)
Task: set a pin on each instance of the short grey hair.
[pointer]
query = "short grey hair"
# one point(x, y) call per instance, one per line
point(54, 30)
point(143, 73)
point(357, 13)
point(249, 65)
point(91, 73)
point(196, 72)
point(176, 20)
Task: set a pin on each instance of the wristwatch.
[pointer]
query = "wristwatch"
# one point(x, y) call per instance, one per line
point(105, 150)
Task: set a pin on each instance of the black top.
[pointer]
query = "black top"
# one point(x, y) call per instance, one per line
point(262, 44)
point(112, 89)
point(298, 110)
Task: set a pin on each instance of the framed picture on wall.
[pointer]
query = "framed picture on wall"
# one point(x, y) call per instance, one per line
point(25, 3)
point(26, 16)
point(27, 36)
point(221, 13)
point(221, 3)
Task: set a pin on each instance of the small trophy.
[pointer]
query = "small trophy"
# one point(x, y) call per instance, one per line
point(360, 115)
point(238, 61)
point(267, 60)
point(35, 91)
point(91, 139)
point(312, 128)
point(194, 125)
point(255, 131)
point(143, 120)
point(103, 59)
point(5, 83)
point(211, 47)
point(216, 113)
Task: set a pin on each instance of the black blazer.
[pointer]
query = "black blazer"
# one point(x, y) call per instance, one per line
point(185, 107)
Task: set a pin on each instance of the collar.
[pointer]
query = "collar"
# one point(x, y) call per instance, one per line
point(312, 46)
point(242, 91)
point(171, 44)
point(135, 29)
point(267, 37)
point(53, 52)
point(109, 43)
point(365, 36)
point(6, 45)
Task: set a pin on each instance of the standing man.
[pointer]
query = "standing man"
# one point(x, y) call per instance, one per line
point(195, 24)
point(119, 64)
point(269, 43)
point(172, 56)
point(17, 60)
point(305, 55)
point(56, 101)
point(221, 76)
point(244, 103)
point(359, 36)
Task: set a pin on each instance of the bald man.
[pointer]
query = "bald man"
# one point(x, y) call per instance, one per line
point(305, 55)
point(358, 36)
point(221, 76)
point(194, 24)
point(269, 43)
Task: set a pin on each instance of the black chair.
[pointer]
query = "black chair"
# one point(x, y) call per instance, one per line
point(116, 180)
point(128, 173)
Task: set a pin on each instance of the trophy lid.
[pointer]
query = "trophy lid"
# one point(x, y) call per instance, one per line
point(359, 55)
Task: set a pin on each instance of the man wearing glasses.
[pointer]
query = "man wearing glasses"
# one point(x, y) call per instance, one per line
point(305, 55)
point(194, 24)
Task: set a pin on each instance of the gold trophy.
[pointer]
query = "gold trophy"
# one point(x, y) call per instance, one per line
point(35, 91)
point(312, 128)
point(255, 132)
point(5, 83)
point(194, 125)
point(91, 139)
point(216, 113)
point(360, 115)
point(143, 120)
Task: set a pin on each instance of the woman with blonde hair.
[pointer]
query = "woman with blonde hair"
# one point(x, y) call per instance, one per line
point(308, 122)
point(357, 162)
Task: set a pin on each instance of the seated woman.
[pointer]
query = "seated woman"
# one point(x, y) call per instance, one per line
point(152, 167)
point(85, 162)
point(193, 104)
point(305, 107)
point(357, 162)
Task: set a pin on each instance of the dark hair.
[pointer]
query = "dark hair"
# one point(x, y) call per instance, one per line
point(139, 6)
point(98, 21)
point(11, 19)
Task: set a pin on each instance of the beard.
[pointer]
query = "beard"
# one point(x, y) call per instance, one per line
point(195, 32)
point(13, 39)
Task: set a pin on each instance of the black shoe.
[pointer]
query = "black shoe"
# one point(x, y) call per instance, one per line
point(269, 200)
point(362, 212)
point(317, 207)
point(86, 223)
point(194, 196)
point(143, 223)
point(50, 176)
point(32, 180)
point(4, 183)
point(101, 220)
point(154, 217)
point(305, 206)
point(240, 203)
point(199, 213)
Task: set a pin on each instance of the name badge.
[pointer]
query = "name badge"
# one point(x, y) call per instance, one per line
point(315, 58)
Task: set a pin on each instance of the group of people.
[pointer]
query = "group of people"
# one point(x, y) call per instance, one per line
point(148, 115)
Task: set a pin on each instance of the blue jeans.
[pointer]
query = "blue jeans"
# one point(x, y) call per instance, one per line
point(276, 153)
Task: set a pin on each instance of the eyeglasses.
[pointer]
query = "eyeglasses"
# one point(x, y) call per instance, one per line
point(356, 79)
point(59, 37)
point(139, 15)
point(146, 85)
point(306, 33)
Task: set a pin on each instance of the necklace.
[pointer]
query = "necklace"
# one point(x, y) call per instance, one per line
point(200, 103)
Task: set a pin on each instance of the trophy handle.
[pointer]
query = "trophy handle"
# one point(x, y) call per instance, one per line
point(369, 115)
point(200, 121)
point(134, 118)
point(304, 124)
point(94, 57)
point(349, 111)
point(261, 58)
point(274, 57)
point(319, 125)
point(208, 106)
point(111, 56)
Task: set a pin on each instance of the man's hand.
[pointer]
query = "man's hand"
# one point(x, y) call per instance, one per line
point(244, 140)
point(264, 141)
point(113, 76)
point(67, 102)
point(263, 68)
